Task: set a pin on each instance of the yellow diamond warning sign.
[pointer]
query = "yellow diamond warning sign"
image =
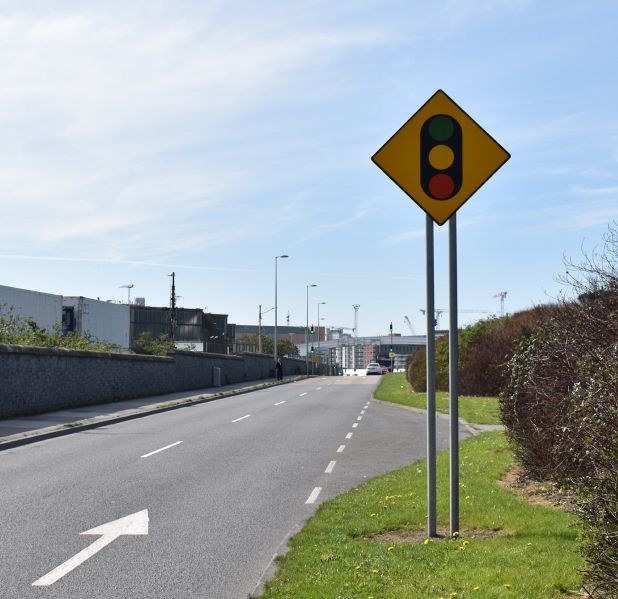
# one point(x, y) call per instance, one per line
point(440, 157)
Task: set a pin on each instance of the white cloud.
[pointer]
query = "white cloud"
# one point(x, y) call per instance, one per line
point(115, 123)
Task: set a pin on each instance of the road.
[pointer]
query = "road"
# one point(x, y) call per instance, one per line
point(224, 485)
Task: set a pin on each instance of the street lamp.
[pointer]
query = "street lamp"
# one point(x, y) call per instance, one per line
point(319, 304)
point(276, 258)
point(307, 329)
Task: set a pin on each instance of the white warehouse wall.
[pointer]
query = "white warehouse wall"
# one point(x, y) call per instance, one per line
point(104, 321)
point(44, 308)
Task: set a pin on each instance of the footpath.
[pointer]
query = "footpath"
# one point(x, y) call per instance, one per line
point(28, 429)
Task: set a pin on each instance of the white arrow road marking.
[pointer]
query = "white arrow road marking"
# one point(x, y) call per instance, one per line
point(134, 524)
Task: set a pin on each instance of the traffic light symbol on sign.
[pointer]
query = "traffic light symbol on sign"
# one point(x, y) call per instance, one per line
point(441, 157)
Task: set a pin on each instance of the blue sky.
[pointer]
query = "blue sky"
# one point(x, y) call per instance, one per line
point(139, 138)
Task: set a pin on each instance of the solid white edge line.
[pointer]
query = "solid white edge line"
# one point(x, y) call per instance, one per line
point(355, 425)
point(340, 448)
point(279, 403)
point(146, 455)
point(314, 495)
point(330, 467)
point(349, 435)
point(242, 418)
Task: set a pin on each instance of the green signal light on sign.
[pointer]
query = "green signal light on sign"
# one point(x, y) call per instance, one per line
point(441, 157)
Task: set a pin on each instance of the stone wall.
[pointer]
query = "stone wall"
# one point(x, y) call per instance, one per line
point(35, 380)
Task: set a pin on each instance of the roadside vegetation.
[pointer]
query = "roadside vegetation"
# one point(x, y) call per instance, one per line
point(284, 346)
point(24, 331)
point(560, 407)
point(371, 542)
point(474, 409)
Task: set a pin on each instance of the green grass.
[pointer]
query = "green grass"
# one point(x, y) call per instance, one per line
point(476, 410)
point(533, 556)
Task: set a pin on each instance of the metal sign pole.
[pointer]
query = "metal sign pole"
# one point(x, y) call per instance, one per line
point(453, 360)
point(431, 384)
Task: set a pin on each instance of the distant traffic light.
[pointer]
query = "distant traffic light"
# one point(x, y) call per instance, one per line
point(441, 157)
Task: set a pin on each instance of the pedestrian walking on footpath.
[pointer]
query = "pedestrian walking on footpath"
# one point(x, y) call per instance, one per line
point(279, 369)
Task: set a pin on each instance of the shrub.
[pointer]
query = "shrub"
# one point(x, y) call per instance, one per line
point(560, 406)
point(25, 331)
point(145, 344)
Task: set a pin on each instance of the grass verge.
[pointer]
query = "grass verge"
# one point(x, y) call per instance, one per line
point(531, 551)
point(476, 410)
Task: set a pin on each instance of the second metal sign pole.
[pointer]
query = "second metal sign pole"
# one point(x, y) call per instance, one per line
point(453, 362)
point(431, 383)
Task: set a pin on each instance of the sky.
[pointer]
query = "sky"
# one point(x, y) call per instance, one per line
point(140, 138)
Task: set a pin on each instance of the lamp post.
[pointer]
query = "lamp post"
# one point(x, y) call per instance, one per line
point(307, 329)
point(318, 331)
point(276, 258)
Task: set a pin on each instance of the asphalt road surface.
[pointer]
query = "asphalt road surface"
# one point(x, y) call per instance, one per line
point(215, 490)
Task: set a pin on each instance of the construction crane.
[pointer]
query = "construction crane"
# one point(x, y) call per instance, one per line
point(440, 311)
point(502, 296)
point(407, 321)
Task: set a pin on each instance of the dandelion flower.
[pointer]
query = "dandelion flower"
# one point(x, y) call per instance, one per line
point(426, 541)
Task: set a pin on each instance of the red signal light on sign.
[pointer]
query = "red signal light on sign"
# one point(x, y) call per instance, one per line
point(441, 157)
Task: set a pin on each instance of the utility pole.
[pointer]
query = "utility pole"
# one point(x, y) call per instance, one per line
point(173, 308)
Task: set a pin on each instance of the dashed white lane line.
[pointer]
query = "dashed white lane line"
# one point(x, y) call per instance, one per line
point(362, 411)
point(330, 467)
point(318, 388)
point(340, 448)
point(147, 455)
point(359, 418)
point(349, 435)
point(279, 403)
point(314, 495)
point(301, 395)
point(355, 425)
point(242, 418)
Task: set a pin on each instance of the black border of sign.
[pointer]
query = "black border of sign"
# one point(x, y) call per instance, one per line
point(508, 156)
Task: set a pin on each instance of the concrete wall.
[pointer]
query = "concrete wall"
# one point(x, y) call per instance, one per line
point(36, 380)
